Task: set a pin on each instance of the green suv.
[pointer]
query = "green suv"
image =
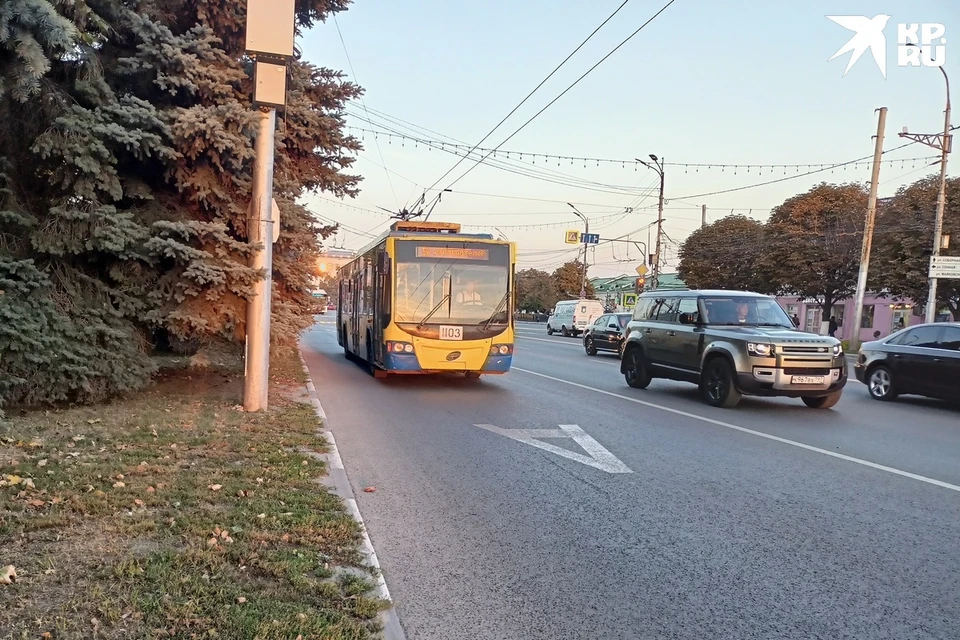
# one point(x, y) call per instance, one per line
point(730, 343)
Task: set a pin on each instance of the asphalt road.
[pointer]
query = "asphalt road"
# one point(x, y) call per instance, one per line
point(768, 521)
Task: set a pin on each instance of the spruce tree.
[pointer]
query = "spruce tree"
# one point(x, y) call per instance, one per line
point(125, 163)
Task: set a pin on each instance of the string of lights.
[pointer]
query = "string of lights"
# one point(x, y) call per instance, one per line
point(585, 161)
point(523, 169)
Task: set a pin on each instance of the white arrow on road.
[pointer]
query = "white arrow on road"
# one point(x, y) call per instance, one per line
point(598, 458)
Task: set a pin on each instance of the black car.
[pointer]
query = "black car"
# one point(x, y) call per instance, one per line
point(921, 360)
point(606, 333)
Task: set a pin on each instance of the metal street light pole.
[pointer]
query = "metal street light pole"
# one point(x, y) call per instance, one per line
point(658, 165)
point(270, 32)
point(586, 232)
point(943, 144)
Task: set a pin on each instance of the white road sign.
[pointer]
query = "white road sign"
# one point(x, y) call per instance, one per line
point(945, 267)
point(598, 458)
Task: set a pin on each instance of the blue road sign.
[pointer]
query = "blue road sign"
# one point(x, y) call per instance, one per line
point(590, 238)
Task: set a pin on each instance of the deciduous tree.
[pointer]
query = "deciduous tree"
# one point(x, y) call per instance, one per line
point(724, 255)
point(903, 243)
point(568, 279)
point(813, 243)
point(536, 290)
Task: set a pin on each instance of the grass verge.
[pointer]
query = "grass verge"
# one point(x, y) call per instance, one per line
point(174, 514)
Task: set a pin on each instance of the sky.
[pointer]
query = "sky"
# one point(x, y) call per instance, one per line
point(719, 83)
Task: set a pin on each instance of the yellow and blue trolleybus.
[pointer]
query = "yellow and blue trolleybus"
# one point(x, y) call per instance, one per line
point(426, 298)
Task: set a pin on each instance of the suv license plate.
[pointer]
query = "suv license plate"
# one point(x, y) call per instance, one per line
point(807, 379)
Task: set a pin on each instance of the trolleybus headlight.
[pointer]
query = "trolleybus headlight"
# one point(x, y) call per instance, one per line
point(400, 347)
point(501, 349)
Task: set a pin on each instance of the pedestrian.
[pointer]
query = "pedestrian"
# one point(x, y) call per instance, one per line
point(833, 326)
point(796, 320)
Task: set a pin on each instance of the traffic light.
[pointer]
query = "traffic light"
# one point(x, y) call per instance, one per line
point(641, 281)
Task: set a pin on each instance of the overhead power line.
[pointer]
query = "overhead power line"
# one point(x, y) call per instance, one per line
point(588, 161)
point(535, 89)
point(354, 74)
point(563, 93)
point(799, 175)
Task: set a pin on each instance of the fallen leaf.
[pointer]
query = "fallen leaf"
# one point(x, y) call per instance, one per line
point(42, 463)
point(8, 575)
point(138, 502)
point(262, 516)
point(118, 485)
point(78, 438)
point(29, 483)
point(370, 489)
point(119, 476)
point(14, 480)
point(215, 487)
point(37, 503)
point(94, 421)
point(301, 617)
point(151, 490)
point(241, 600)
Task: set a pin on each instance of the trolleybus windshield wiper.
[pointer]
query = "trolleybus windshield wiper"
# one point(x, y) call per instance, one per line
point(498, 309)
point(433, 311)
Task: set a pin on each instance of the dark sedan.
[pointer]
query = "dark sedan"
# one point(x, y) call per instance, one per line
point(922, 360)
point(606, 333)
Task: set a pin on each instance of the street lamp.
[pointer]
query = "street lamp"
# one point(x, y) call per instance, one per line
point(586, 232)
point(941, 143)
point(657, 166)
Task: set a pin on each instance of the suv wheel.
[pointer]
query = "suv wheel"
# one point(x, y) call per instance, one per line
point(635, 370)
point(549, 330)
point(718, 387)
point(822, 402)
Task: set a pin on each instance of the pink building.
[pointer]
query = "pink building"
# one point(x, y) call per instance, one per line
point(879, 314)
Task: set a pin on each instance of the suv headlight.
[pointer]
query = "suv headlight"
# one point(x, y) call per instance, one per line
point(759, 350)
point(837, 350)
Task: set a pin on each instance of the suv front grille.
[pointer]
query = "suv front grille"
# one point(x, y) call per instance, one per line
point(798, 349)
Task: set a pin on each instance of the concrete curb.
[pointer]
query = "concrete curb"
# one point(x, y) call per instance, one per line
point(340, 484)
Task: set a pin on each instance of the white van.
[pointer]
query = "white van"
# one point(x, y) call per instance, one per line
point(572, 317)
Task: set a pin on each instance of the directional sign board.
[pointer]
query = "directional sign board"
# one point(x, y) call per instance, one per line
point(573, 237)
point(590, 238)
point(945, 267)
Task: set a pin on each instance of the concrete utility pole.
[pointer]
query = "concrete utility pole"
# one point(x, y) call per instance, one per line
point(586, 232)
point(703, 216)
point(868, 232)
point(270, 35)
point(658, 165)
point(942, 143)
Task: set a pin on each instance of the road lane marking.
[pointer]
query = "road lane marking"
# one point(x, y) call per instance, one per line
point(760, 434)
point(563, 344)
point(598, 458)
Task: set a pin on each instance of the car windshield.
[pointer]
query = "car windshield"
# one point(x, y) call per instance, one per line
point(752, 311)
point(468, 290)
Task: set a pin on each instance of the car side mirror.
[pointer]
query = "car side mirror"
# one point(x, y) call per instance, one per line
point(613, 325)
